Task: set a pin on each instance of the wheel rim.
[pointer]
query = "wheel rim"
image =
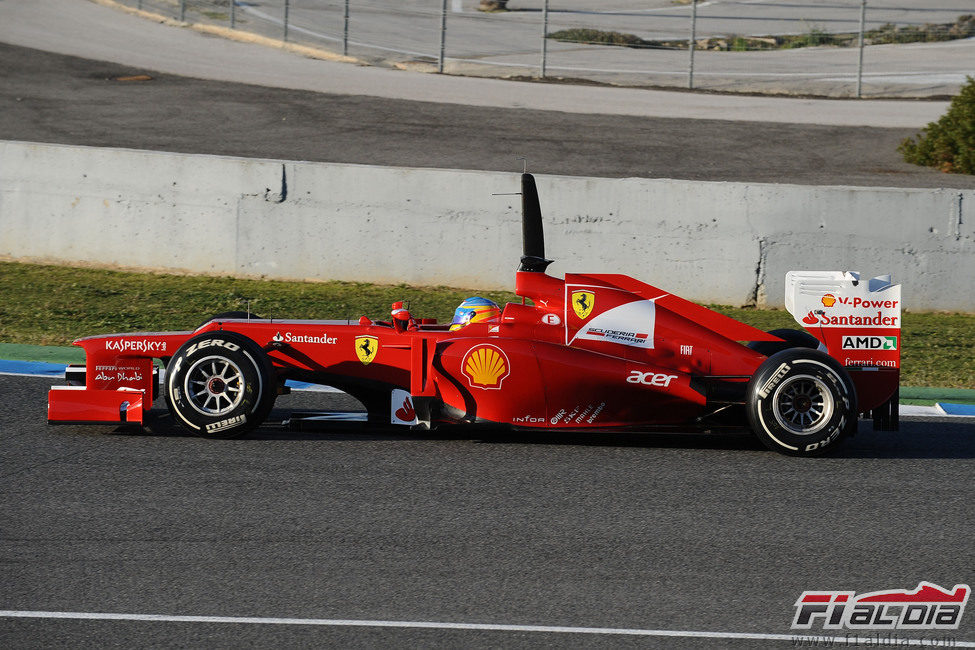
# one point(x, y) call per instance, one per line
point(803, 404)
point(214, 386)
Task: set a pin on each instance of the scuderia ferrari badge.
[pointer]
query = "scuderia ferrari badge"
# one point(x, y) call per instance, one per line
point(583, 302)
point(366, 348)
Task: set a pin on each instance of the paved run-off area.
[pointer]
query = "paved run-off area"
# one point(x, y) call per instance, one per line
point(48, 97)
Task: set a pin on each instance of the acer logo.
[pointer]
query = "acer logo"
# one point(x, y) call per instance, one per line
point(650, 378)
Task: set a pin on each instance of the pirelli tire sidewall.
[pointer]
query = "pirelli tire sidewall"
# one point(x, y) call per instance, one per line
point(248, 400)
point(802, 371)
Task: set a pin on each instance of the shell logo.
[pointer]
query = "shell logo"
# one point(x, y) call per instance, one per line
point(485, 367)
point(829, 300)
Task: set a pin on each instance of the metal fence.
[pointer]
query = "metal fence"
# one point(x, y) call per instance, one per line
point(821, 47)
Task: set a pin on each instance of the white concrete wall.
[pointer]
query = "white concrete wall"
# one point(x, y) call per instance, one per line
point(728, 243)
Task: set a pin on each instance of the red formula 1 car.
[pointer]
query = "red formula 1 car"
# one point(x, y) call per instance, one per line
point(588, 352)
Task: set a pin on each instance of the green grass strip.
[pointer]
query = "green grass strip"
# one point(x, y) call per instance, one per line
point(45, 353)
point(910, 394)
point(53, 305)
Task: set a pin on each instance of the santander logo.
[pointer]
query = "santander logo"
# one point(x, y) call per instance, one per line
point(406, 412)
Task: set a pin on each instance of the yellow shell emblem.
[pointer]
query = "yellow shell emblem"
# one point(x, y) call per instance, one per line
point(485, 366)
point(366, 348)
point(583, 302)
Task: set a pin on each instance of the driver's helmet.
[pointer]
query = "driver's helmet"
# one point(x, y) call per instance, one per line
point(475, 310)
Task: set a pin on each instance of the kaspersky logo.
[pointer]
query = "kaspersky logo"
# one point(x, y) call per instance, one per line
point(929, 607)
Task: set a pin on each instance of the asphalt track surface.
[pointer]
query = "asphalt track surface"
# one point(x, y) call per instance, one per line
point(671, 532)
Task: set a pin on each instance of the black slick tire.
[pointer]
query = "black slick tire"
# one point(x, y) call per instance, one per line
point(220, 385)
point(801, 402)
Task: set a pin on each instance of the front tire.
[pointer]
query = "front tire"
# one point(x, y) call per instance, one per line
point(219, 385)
point(801, 402)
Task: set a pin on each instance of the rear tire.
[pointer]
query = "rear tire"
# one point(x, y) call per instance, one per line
point(801, 402)
point(219, 385)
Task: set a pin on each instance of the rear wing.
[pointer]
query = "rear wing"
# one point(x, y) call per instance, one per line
point(859, 321)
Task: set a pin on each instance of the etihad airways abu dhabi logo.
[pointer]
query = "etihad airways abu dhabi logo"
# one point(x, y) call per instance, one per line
point(929, 607)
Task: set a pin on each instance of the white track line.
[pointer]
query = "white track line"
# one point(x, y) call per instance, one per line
point(434, 625)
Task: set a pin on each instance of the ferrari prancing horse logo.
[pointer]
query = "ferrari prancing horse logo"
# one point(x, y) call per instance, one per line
point(366, 348)
point(582, 303)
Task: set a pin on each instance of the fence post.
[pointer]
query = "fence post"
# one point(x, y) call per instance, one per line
point(690, 44)
point(287, 7)
point(182, 10)
point(863, 20)
point(345, 31)
point(443, 35)
point(544, 37)
point(233, 14)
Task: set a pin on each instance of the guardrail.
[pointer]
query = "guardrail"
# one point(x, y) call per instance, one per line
point(840, 48)
point(726, 243)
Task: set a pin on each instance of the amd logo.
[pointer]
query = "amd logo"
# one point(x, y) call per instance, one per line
point(869, 342)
